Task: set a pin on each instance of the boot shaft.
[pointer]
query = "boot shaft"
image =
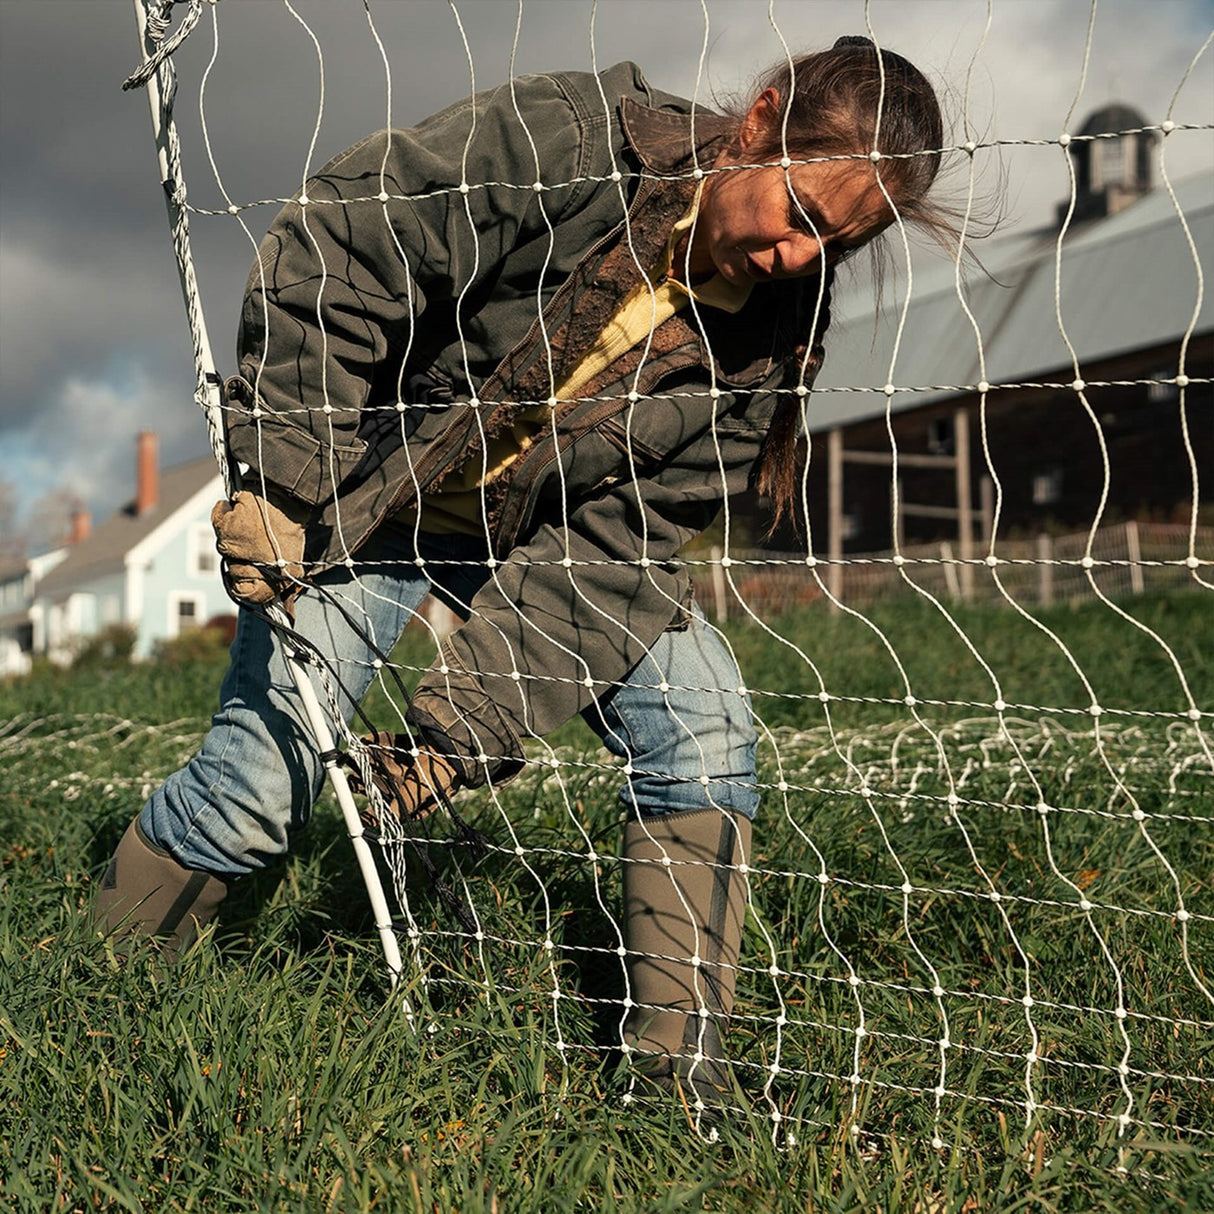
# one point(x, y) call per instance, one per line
point(685, 900)
point(145, 891)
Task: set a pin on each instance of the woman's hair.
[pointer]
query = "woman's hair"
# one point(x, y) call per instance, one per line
point(847, 101)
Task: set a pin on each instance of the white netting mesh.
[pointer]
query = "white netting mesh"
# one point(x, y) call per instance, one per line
point(979, 882)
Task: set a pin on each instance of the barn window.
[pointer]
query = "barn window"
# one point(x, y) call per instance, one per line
point(941, 437)
point(1159, 391)
point(1047, 487)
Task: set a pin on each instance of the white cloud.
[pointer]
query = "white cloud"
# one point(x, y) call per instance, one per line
point(81, 437)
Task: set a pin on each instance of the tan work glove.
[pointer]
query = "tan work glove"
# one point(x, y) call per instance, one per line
point(411, 787)
point(253, 535)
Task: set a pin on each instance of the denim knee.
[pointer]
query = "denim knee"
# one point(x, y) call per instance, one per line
point(232, 808)
point(707, 771)
point(683, 727)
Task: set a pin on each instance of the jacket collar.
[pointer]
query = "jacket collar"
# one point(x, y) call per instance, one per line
point(667, 141)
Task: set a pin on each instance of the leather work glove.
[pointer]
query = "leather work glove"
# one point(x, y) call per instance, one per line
point(411, 787)
point(251, 535)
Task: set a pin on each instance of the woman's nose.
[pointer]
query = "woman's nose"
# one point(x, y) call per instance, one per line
point(799, 253)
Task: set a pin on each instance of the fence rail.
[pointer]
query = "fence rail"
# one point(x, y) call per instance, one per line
point(1121, 561)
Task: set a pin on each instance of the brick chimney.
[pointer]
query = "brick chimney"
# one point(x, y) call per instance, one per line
point(147, 473)
point(82, 525)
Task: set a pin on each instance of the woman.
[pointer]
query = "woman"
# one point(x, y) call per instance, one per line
point(520, 354)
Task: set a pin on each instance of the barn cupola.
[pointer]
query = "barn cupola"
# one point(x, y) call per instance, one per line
point(1112, 159)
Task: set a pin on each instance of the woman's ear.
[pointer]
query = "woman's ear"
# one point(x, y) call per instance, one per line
point(762, 116)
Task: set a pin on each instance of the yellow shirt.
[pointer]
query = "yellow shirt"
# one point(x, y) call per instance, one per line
point(457, 505)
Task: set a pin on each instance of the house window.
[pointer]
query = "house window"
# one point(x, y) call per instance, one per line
point(203, 559)
point(82, 613)
point(185, 612)
point(1047, 487)
point(56, 631)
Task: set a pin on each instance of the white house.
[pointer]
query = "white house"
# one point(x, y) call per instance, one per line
point(18, 579)
point(151, 565)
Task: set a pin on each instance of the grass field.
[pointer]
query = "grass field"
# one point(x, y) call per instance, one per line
point(273, 1070)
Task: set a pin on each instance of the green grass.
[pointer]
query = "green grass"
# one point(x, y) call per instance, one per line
point(273, 1069)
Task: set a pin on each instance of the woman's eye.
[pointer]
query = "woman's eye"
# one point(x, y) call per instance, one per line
point(799, 219)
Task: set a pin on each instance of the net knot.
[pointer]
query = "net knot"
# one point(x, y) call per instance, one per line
point(157, 25)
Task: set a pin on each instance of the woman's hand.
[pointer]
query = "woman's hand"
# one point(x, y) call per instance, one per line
point(412, 782)
point(262, 546)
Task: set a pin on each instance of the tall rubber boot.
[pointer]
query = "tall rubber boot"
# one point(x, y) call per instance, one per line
point(146, 891)
point(684, 907)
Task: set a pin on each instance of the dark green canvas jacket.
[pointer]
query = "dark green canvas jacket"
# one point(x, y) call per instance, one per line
point(395, 319)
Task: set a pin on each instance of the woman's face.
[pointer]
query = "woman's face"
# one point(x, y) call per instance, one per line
point(758, 224)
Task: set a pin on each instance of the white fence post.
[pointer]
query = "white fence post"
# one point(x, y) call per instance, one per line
point(1045, 570)
point(721, 599)
point(965, 504)
point(834, 528)
point(950, 571)
point(1133, 545)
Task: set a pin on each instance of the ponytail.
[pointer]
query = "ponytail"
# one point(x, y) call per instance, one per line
point(782, 462)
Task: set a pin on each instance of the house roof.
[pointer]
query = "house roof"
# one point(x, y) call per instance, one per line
point(105, 549)
point(1126, 282)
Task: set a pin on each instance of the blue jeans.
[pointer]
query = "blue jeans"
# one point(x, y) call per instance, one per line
point(232, 808)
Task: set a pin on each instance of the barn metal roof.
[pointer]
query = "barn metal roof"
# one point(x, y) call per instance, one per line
point(1126, 282)
point(1114, 117)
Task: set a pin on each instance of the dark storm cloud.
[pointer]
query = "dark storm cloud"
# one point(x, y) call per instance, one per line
point(72, 198)
point(92, 330)
point(91, 295)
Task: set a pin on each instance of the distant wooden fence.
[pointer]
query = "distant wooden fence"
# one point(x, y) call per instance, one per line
point(1122, 560)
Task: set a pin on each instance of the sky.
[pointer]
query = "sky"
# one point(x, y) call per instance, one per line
point(93, 340)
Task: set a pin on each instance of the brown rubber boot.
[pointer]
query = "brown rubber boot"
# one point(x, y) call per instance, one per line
point(146, 891)
point(684, 906)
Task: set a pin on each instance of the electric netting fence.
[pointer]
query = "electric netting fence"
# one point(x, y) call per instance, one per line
point(979, 882)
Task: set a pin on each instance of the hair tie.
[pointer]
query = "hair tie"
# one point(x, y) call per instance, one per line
point(853, 40)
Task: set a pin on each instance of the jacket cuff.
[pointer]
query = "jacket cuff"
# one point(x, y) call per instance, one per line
point(283, 448)
point(453, 717)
